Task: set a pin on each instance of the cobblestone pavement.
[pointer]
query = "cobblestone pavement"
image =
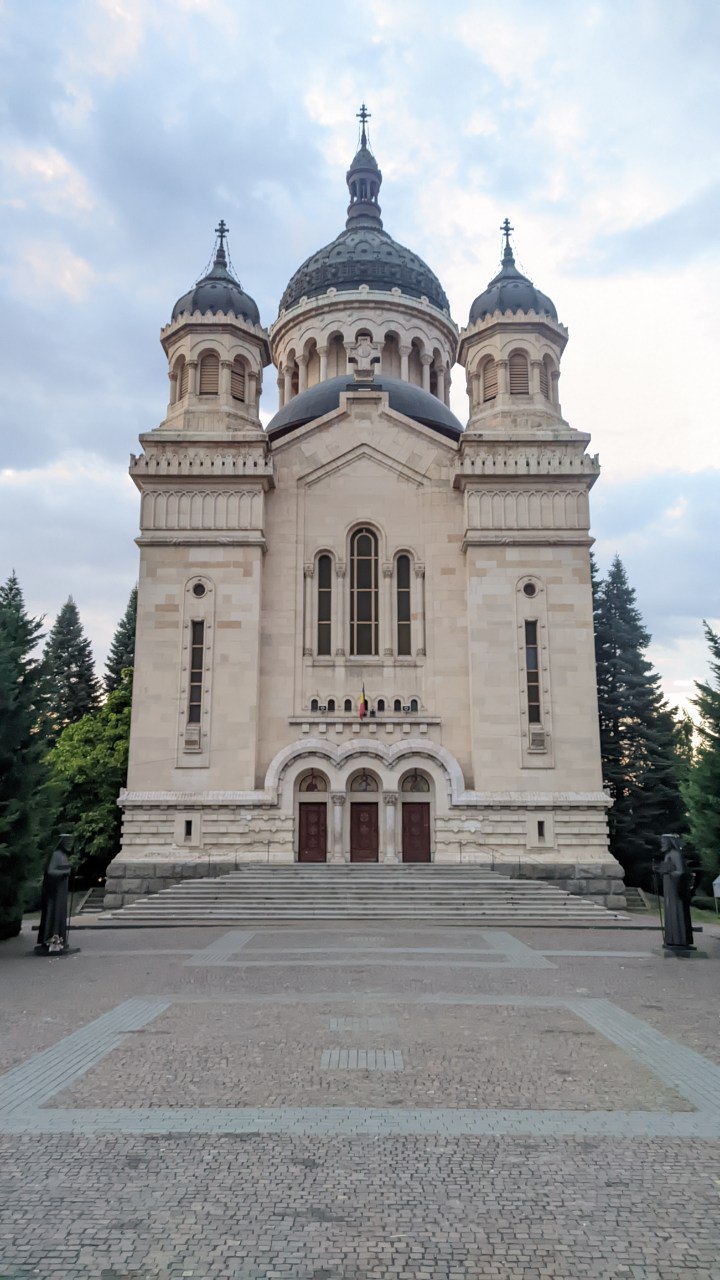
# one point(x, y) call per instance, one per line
point(328, 1103)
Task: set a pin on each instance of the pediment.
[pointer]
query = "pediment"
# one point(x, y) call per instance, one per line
point(356, 459)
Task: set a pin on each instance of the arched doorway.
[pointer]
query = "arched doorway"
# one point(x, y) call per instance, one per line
point(312, 796)
point(364, 796)
point(415, 817)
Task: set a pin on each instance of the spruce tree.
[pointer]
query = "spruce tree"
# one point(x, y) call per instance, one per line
point(22, 755)
point(73, 688)
point(702, 788)
point(637, 731)
point(122, 650)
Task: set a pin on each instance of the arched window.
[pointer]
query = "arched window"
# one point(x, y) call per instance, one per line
point(490, 380)
point(348, 704)
point(324, 606)
point(364, 593)
point(415, 365)
point(209, 375)
point(433, 382)
point(237, 380)
point(364, 782)
point(519, 378)
point(314, 704)
point(313, 782)
point(546, 371)
point(391, 356)
point(331, 704)
point(336, 357)
point(404, 624)
point(415, 782)
point(181, 379)
point(381, 704)
point(397, 705)
point(414, 705)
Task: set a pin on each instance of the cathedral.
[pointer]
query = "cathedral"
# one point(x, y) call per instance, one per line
point(365, 631)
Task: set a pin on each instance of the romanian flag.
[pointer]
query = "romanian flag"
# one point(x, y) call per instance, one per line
point(363, 708)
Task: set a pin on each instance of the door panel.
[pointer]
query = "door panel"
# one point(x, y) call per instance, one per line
point(364, 831)
point(416, 831)
point(312, 841)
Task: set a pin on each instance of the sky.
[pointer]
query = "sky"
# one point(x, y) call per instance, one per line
point(129, 127)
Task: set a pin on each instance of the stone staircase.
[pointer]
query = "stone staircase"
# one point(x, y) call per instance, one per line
point(424, 893)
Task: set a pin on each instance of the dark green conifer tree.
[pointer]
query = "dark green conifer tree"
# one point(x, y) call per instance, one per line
point(702, 788)
point(22, 755)
point(637, 731)
point(73, 688)
point(122, 650)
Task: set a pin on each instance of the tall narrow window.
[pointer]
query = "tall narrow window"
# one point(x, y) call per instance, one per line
point(197, 649)
point(237, 380)
point(404, 626)
point(209, 375)
point(364, 593)
point(181, 376)
point(532, 670)
point(324, 606)
point(490, 381)
point(544, 380)
point(519, 378)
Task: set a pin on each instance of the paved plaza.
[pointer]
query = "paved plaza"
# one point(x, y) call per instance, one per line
point(354, 1102)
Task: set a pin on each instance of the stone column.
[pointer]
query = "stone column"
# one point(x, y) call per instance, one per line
point(302, 374)
point(535, 367)
point(426, 361)
point(420, 593)
point(339, 619)
point(225, 384)
point(446, 384)
point(173, 388)
point(308, 571)
point(390, 799)
point(337, 851)
point(281, 390)
point(476, 397)
point(288, 384)
point(405, 363)
point(386, 605)
point(251, 394)
point(322, 352)
point(441, 384)
point(554, 389)
point(192, 377)
point(503, 378)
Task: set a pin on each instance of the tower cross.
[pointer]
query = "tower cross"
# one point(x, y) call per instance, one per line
point(363, 115)
point(221, 230)
point(506, 229)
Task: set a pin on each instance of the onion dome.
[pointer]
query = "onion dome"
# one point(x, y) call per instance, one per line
point(219, 290)
point(510, 291)
point(364, 253)
point(404, 397)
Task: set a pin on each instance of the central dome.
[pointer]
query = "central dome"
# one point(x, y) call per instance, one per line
point(364, 253)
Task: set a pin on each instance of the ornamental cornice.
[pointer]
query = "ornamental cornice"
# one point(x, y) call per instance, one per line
point(220, 322)
point(519, 321)
point(489, 462)
point(336, 300)
point(165, 464)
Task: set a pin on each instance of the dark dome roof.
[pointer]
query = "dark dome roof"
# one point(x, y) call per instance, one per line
point(405, 398)
point(218, 291)
point(365, 255)
point(511, 291)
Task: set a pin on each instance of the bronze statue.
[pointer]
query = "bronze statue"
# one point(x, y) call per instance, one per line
point(53, 928)
point(678, 885)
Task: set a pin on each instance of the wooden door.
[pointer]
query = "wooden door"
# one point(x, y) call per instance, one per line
point(364, 831)
point(415, 831)
point(312, 842)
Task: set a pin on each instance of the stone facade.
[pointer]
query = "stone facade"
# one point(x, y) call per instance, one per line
point(369, 548)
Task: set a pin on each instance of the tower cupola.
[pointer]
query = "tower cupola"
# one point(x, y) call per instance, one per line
point(511, 350)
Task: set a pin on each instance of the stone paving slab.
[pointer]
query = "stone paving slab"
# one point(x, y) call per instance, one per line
point(612, 1171)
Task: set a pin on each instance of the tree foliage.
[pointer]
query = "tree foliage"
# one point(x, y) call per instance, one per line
point(122, 650)
point(702, 787)
point(73, 688)
point(637, 731)
point(89, 767)
point(23, 772)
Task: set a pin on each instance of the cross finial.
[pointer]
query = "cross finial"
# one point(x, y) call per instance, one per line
point(363, 116)
point(221, 230)
point(506, 229)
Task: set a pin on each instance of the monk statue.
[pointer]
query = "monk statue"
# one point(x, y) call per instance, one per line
point(53, 930)
point(678, 884)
